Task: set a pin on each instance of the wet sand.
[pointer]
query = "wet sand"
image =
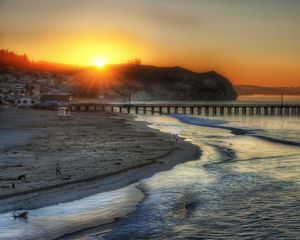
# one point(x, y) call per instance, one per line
point(96, 152)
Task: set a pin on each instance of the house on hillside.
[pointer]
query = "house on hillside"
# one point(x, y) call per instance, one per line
point(11, 91)
point(36, 90)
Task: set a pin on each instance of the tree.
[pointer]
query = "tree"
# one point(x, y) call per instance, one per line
point(9, 58)
point(135, 61)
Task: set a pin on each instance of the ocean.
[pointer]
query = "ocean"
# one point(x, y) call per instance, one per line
point(245, 185)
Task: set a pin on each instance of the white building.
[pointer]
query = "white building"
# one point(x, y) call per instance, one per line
point(26, 102)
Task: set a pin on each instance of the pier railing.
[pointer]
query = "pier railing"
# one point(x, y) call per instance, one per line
point(193, 109)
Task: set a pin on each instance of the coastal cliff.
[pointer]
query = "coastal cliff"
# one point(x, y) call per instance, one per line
point(150, 83)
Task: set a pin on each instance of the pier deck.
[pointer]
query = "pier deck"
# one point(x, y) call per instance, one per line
point(193, 109)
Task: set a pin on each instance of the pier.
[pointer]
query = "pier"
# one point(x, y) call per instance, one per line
point(193, 109)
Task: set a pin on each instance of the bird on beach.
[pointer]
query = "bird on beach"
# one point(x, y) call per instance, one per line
point(20, 215)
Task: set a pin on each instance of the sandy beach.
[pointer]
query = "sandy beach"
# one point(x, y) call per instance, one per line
point(96, 152)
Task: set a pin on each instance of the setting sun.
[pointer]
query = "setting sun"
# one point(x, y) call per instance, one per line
point(100, 62)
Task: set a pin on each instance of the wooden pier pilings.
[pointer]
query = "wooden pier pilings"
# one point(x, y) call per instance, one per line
point(200, 110)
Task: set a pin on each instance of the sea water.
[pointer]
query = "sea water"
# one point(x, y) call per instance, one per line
point(245, 185)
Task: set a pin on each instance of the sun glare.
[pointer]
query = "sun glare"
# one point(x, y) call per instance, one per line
point(100, 62)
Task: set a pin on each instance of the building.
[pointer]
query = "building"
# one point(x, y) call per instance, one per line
point(36, 90)
point(13, 87)
point(55, 100)
point(26, 102)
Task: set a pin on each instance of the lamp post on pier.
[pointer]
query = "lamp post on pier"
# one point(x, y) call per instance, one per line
point(281, 104)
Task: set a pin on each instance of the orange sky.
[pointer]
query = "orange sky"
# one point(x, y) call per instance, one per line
point(250, 42)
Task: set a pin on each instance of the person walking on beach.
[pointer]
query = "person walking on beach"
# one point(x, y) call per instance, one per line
point(57, 169)
point(175, 136)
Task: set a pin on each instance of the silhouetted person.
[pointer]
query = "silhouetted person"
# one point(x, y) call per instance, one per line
point(57, 169)
point(175, 136)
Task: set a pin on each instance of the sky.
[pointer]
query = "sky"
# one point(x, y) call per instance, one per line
point(253, 42)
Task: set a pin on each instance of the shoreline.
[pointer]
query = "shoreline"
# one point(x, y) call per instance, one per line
point(80, 188)
point(84, 188)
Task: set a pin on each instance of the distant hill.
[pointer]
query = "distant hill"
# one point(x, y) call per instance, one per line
point(250, 90)
point(55, 67)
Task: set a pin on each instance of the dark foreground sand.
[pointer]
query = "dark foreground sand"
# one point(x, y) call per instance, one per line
point(96, 152)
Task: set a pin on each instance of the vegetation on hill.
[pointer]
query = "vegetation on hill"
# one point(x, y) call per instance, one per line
point(22, 62)
point(9, 58)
